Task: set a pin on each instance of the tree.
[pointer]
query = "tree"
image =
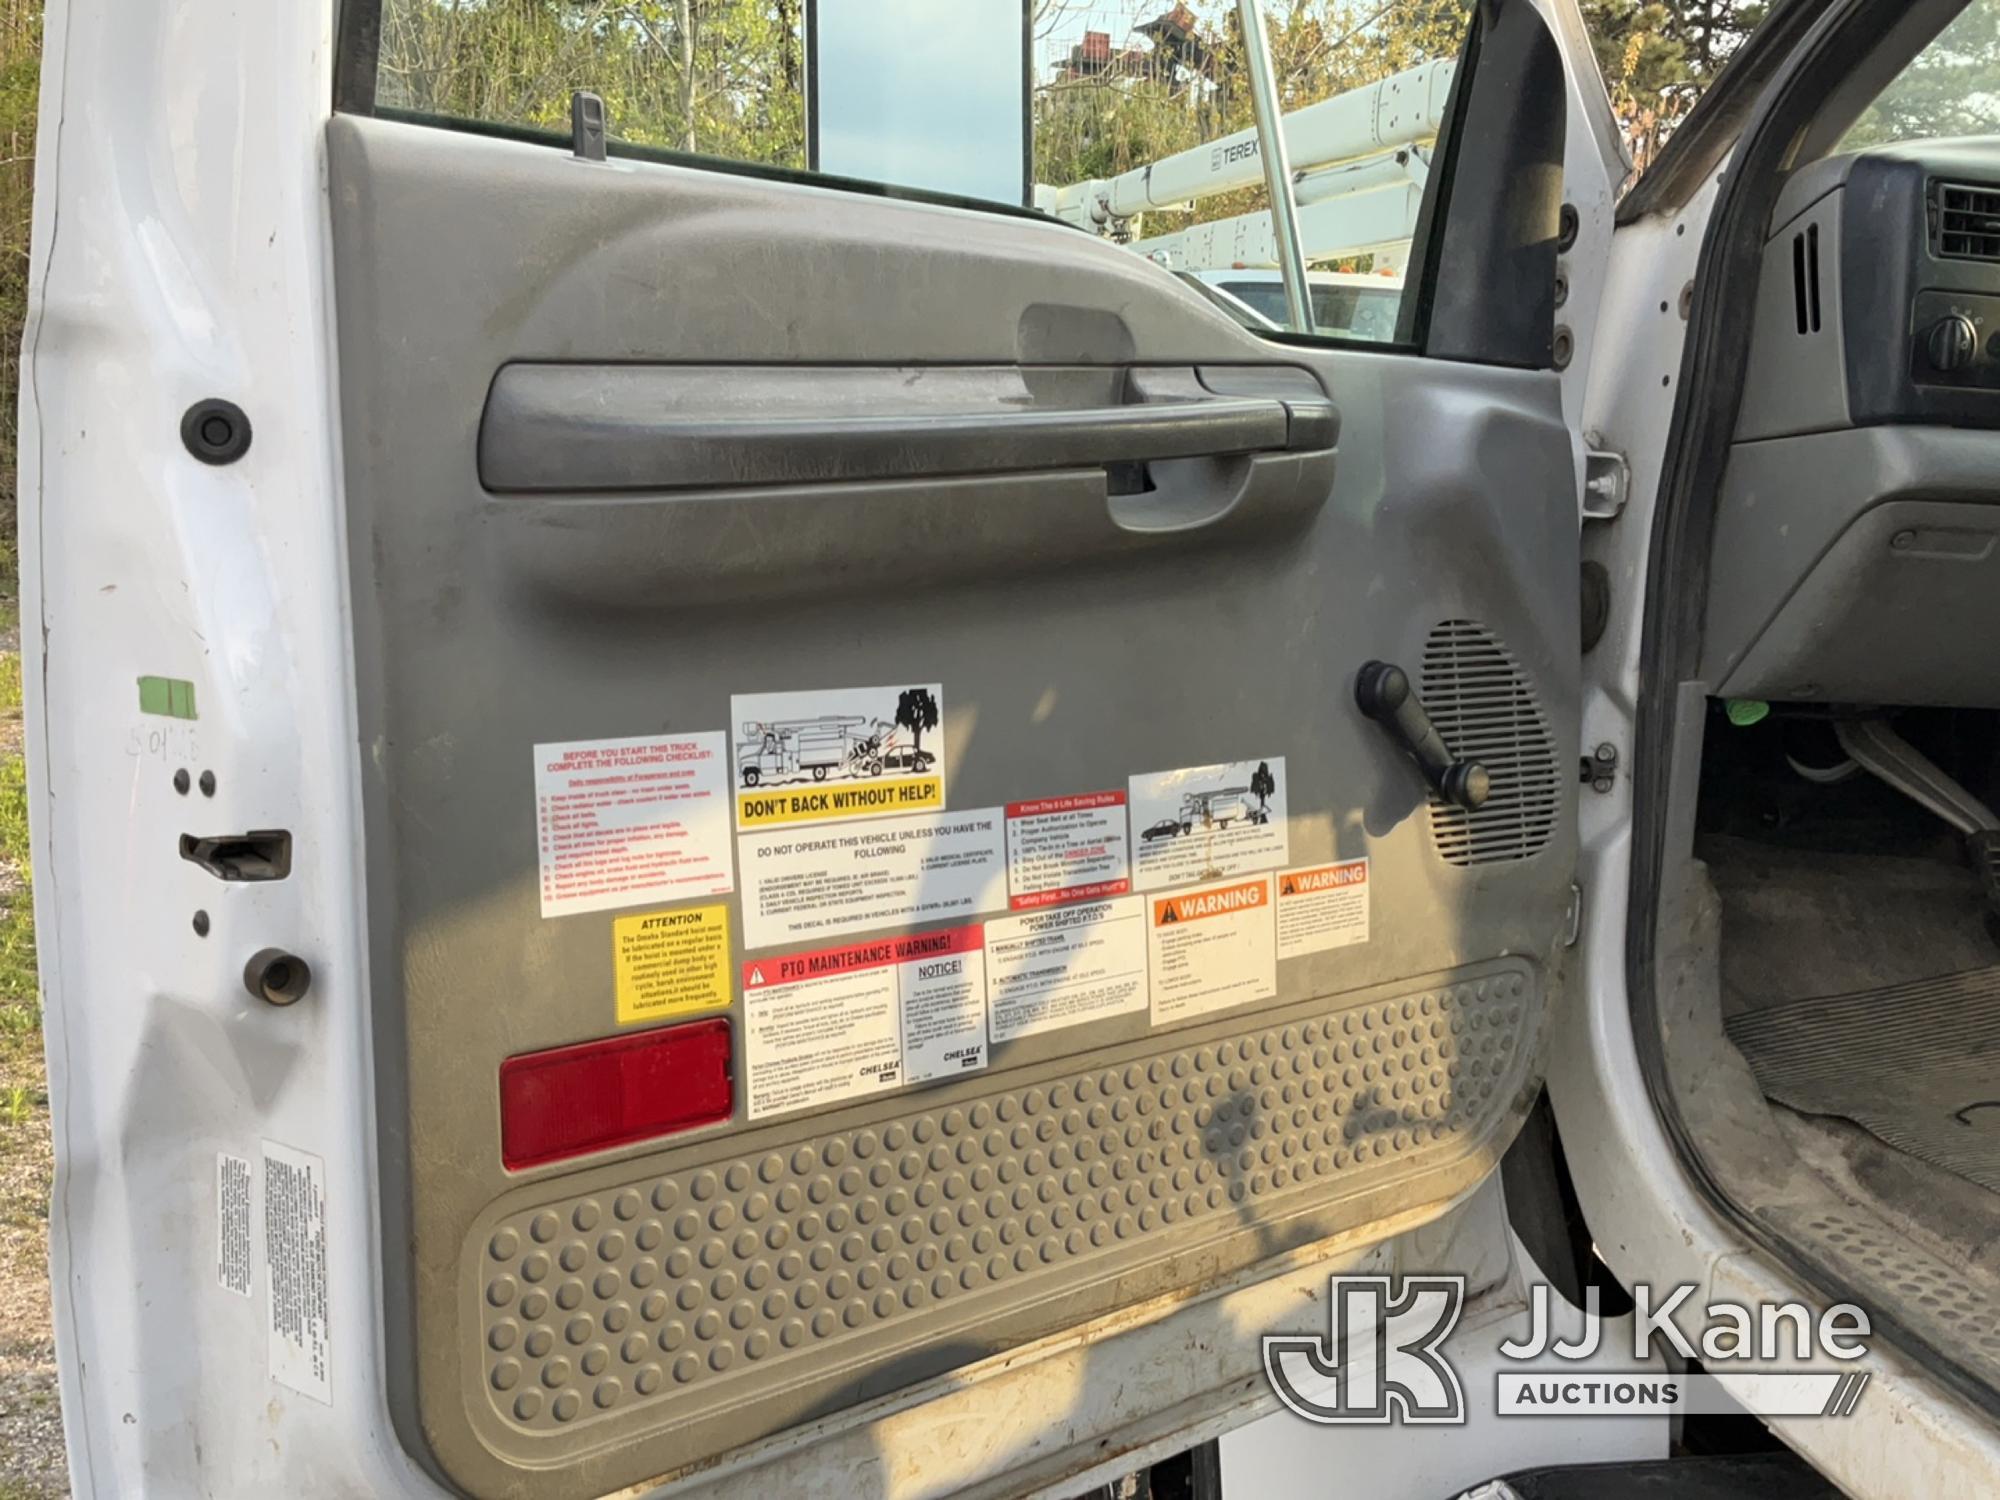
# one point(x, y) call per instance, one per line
point(722, 77)
point(1263, 785)
point(726, 77)
point(1948, 89)
point(916, 711)
point(1658, 58)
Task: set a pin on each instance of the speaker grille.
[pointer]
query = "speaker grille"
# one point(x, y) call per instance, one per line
point(1482, 704)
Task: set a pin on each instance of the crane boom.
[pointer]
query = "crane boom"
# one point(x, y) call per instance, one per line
point(1376, 119)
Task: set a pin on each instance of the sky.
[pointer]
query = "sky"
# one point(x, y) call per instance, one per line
point(941, 109)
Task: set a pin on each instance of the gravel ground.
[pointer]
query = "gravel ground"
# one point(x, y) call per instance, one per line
point(31, 1439)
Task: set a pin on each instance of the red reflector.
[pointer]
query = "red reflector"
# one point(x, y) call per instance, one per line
point(597, 1095)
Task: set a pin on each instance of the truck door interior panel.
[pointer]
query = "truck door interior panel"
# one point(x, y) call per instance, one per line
point(697, 436)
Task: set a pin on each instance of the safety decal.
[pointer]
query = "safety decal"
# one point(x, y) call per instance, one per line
point(1208, 822)
point(806, 883)
point(670, 963)
point(1062, 967)
point(632, 822)
point(300, 1345)
point(1322, 907)
point(235, 1200)
point(1211, 948)
point(1066, 849)
point(833, 1023)
point(827, 754)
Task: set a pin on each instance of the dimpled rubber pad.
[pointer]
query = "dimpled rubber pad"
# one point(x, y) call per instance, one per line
point(594, 1305)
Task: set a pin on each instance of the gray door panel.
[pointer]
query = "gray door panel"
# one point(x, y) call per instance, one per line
point(588, 1324)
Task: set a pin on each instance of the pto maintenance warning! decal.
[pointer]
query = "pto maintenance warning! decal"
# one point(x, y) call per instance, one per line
point(830, 1024)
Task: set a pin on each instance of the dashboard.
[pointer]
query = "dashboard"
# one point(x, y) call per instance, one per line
point(1856, 556)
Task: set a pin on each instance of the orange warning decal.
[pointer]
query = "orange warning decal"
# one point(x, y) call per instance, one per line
point(1325, 877)
point(1223, 899)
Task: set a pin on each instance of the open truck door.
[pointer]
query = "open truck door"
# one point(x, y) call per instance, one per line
point(625, 1087)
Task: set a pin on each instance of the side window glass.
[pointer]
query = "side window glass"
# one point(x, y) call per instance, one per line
point(1145, 132)
point(1950, 88)
point(718, 78)
point(1136, 118)
point(1658, 60)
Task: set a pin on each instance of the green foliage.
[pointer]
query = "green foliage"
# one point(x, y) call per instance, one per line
point(725, 77)
point(20, 77)
point(1951, 88)
point(20, 1004)
point(719, 77)
point(1659, 56)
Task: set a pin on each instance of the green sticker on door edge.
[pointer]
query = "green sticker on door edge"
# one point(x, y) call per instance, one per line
point(169, 697)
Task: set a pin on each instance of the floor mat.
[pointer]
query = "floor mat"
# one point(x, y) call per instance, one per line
point(1916, 1065)
point(1799, 925)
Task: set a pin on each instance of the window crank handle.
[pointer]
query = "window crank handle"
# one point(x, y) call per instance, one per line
point(1383, 692)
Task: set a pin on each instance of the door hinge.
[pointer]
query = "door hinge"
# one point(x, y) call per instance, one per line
point(1599, 769)
point(1606, 479)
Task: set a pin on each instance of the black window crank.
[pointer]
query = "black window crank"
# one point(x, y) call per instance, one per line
point(1384, 694)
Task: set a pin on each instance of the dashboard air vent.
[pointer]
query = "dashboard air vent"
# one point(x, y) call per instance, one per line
point(1965, 221)
point(1805, 278)
point(1485, 708)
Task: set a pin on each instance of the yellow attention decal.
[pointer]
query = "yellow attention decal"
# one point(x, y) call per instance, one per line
point(671, 963)
point(768, 807)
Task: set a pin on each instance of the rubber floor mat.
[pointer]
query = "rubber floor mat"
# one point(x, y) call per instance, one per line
point(1916, 1065)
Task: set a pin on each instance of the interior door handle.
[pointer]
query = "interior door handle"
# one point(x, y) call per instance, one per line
point(554, 428)
point(1384, 694)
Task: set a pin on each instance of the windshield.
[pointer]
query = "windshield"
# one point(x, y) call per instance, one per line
point(1950, 88)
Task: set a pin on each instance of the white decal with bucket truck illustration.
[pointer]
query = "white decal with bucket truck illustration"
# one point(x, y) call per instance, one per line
point(831, 753)
point(1207, 822)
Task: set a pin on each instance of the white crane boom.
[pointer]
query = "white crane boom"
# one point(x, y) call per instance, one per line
point(1365, 207)
point(1400, 110)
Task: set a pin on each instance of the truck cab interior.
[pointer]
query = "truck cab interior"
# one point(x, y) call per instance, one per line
point(1824, 973)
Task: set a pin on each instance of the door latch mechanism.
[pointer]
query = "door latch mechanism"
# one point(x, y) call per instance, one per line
point(1384, 694)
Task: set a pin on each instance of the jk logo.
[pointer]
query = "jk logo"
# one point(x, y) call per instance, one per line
point(1380, 1361)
